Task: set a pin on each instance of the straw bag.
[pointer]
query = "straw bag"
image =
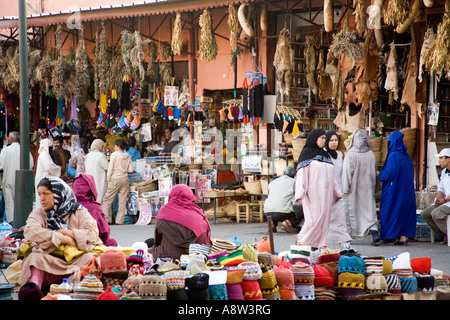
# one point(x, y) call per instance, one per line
point(375, 143)
point(230, 209)
point(264, 185)
point(287, 138)
point(409, 139)
point(297, 147)
point(253, 187)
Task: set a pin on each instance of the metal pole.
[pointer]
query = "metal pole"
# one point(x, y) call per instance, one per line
point(23, 200)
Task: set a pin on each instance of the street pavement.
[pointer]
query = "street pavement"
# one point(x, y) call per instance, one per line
point(248, 233)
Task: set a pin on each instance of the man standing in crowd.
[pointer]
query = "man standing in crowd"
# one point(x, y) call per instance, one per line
point(60, 155)
point(9, 163)
point(437, 214)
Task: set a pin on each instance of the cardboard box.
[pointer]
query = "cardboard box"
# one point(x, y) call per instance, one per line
point(423, 296)
point(409, 296)
point(392, 297)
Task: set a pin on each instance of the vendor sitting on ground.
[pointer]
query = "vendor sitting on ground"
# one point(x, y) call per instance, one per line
point(437, 214)
point(279, 203)
point(179, 223)
point(59, 220)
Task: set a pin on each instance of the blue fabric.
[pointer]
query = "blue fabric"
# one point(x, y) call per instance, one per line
point(398, 199)
point(134, 154)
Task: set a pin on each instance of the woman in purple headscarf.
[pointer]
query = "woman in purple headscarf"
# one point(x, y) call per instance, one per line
point(86, 193)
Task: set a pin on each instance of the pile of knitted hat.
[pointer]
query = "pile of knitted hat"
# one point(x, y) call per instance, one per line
point(375, 280)
point(351, 275)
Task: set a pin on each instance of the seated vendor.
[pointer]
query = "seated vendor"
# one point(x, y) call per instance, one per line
point(179, 223)
point(279, 203)
point(170, 140)
point(58, 220)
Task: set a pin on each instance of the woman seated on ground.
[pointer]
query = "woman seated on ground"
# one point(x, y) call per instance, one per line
point(86, 194)
point(179, 223)
point(58, 220)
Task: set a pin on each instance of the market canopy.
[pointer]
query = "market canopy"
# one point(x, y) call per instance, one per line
point(134, 9)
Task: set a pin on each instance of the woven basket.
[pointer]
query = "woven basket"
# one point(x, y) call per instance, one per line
point(375, 143)
point(264, 185)
point(377, 155)
point(230, 209)
point(409, 139)
point(297, 147)
point(287, 138)
point(253, 187)
point(384, 150)
point(145, 186)
point(219, 213)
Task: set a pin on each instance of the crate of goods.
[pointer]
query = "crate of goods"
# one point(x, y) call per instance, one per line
point(423, 232)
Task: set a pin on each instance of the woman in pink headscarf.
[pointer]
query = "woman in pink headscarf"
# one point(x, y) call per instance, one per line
point(179, 223)
point(86, 194)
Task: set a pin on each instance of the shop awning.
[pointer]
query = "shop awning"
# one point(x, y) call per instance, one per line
point(135, 9)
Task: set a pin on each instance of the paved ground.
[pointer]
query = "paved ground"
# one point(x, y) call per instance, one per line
point(126, 235)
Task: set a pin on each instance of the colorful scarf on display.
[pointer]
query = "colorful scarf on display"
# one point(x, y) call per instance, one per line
point(311, 150)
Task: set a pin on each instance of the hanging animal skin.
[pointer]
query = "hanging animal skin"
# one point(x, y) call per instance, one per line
point(263, 19)
point(328, 15)
point(283, 62)
point(244, 20)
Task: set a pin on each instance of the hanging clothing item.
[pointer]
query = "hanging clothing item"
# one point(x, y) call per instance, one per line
point(59, 119)
point(397, 204)
point(103, 103)
point(258, 101)
point(125, 99)
point(278, 121)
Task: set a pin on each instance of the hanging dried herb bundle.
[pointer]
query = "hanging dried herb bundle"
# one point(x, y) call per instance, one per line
point(104, 64)
point(10, 74)
point(137, 56)
point(208, 44)
point(82, 76)
point(115, 73)
point(437, 57)
point(360, 16)
point(396, 12)
point(70, 77)
point(152, 52)
point(127, 43)
point(44, 72)
point(34, 59)
point(165, 72)
point(233, 23)
point(177, 39)
point(164, 51)
point(58, 74)
point(97, 68)
point(344, 42)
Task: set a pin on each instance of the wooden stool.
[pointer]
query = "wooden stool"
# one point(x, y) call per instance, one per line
point(257, 211)
point(243, 212)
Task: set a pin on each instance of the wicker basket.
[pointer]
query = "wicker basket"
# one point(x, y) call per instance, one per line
point(219, 213)
point(384, 150)
point(287, 138)
point(264, 185)
point(145, 185)
point(409, 139)
point(297, 147)
point(253, 187)
point(230, 209)
point(377, 155)
point(375, 143)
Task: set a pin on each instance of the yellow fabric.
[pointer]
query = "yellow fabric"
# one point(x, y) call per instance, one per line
point(103, 103)
point(65, 252)
point(295, 130)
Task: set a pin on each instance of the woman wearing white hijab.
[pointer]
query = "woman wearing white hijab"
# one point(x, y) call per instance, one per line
point(45, 166)
point(96, 164)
